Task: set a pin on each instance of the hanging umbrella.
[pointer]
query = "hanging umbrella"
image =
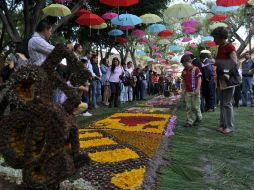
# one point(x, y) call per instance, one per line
point(150, 59)
point(175, 48)
point(230, 3)
point(82, 12)
point(207, 38)
point(121, 40)
point(150, 18)
point(137, 33)
point(179, 11)
point(163, 41)
point(175, 59)
point(193, 45)
point(190, 23)
point(157, 54)
point(142, 40)
point(109, 15)
point(154, 28)
point(171, 54)
point(211, 44)
point(119, 3)
point(189, 30)
point(224, 9)
point(126, 27)
point(126, 20)
point(161, 60)
point(140, 52)
point(154, 47)
point(186, 39)
point(99, 27)
point(218, 17)
point(115, 32)
point(165, 33)
point(153, 62)
point(56, 10)
point(206, 51)
point(89, 20)
point(217, 24)
point(188, 53)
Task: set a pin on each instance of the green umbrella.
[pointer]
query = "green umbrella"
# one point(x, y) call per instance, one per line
point(99, 27)
point(217, 24)
point(56, 10)
point(179, 11)
point(150, 18)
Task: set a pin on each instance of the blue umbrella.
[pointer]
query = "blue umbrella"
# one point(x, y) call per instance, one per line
point(154, 28)
point(175, 59)
point(126, 20)
point(207, 38)
point(224, 9)
point(150, 60)
point(140, 52)
point(115, 32)
point(175, 48)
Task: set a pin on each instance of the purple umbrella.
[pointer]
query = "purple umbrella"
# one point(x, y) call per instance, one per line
point(189, 30)
point(188, 53)
point(157, 54)
point(190, 23)
point(186, 39)
point(154, 47)
point(109, 15)
point(126, 27)
point(193, 45)
point(138, 33)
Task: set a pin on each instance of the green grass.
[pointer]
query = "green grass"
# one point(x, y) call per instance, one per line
point(203, 159)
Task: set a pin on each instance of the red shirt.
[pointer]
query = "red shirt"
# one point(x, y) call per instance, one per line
point(190, 77)
point(225, 51)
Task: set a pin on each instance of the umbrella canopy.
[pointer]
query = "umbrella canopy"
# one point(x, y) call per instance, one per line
point(229, 3)
point(165, 33)
point(161, 60)
point(189, 30)
point(171, 54)
point(211, 44)
point(119, 3)
point(152, 62)
point(163, 41)
point(193, 45)
point(137, 33)
point(140, 52)
point(157, 54)
point(179, 11)
point(121, 40)
point(154, 28)
point(218, 17)
point(126, 27)
point(56, 10)
point(154, 47)
point(175, 59)
point(150, 18)
point(188, 53)
point(175, 48)
point(115, 32)
point(89, 20)
point(126, 20)
point(224, 9)
point(190, 23)
point(205, 51)
point(207, 38)
point(142, 40)
point(186, 39)
point(99, 27)
point(82, 12)
point(150, 59)
point(109, 15)
point(218, 24)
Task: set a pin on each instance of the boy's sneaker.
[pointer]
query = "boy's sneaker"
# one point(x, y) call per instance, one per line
point(197, 122)
point(87, 114)
point(187, 125)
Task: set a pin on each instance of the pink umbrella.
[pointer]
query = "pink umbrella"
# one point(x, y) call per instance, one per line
point(153, 47)
point(193, 45)
point(142, 40)
point(109, 15)
point(188, 53)
point(189, 30)
point(186, 39)
point(138, 33)
point(161, 60)
point(126, 27)
point(157, 54)
point(190, 23)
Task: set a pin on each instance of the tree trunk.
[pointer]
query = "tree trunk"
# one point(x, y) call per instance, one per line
point(132, 53)
point(2, 38)
point(108, 52)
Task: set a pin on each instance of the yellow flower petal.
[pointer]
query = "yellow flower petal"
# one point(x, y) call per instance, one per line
point(96, 142)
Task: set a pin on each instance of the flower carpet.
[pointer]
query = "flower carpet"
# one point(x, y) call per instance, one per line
point(122, 146)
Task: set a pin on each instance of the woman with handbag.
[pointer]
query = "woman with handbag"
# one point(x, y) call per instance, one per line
point(226, 62)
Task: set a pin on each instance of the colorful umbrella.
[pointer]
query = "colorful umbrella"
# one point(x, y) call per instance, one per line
point(140, 52)
point(102, 26)
point(121, 40)
point(189, 30)
point(218, 17)
point(188, 53)
point(137, 33)
point(150, 59)
point(186, 39)
point(109, 15)
point(82, 12)
point(56, 10)
point(163, 41)
point(154, 47)
point(205, 51)
point(211, 44)
point(224, 9)
point(218, 24)
point(190, 23)
point(142, 40)
point(193, 45)
point(126, 27)
point(157, 54)
point(89, 20)
point(153, 62)
point(150, 18)
point(126, 20)
point(119, 3)
point(161, 60)
point(175, 48)
point(171, 54)
point(230, 3)
point(165, 33)
point(115, 32)
point(207, 38)
point(154, 28)
point(179, 11)
point(175, 59)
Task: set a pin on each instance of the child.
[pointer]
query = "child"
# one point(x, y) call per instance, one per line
point(192, 81)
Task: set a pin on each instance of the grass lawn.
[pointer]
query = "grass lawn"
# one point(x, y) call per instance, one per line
point(201, 158)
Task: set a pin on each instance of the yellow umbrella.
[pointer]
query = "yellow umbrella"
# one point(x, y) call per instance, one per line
point(99, 27)
point(179, 11)
point(150, 18)
point(56, 10)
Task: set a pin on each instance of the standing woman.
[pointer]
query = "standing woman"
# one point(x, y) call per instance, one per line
point(226, 55)
point(113, 74)
point(104, 87)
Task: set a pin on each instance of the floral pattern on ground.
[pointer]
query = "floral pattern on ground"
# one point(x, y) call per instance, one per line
point(96, 142)
point(89, 135)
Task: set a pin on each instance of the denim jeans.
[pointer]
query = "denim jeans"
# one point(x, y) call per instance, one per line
point(57, 93)
point(124, 93)
point(96, 91)
point(247, 87)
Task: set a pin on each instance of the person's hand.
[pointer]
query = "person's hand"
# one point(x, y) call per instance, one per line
point(11, 65)
point(196, 92)
point(84, 88)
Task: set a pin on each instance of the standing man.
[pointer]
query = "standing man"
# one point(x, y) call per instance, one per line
point(38, 46)
point(247, 80)
point(130, 69)
point(78, 50)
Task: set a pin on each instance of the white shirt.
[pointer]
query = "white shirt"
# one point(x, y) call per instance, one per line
point(89, 66)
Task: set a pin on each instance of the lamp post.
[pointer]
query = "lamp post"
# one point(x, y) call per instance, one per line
point(248, 13)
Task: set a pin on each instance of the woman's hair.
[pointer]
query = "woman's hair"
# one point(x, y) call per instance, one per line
point(76, 46)
point(220, 33)
point(43, 25)
point(94, 56)
point(113, 64)
point(20, 48)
